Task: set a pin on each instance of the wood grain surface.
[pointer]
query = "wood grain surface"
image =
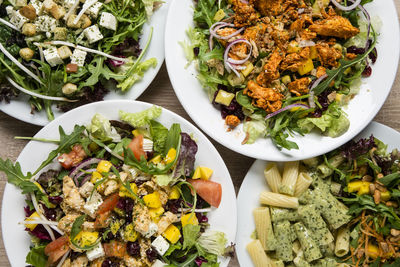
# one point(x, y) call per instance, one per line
point(161, 93)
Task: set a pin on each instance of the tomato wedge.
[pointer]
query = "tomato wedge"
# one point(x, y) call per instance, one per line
point(108, 204)
point(115, 249)
point(136, 145)
point(73, 158)
point(56, 249)
point(210, 191)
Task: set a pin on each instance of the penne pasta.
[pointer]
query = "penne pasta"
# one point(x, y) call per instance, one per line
point(282, 231)
point(258, 255)
point(310, 248)
point(303, 183)
point(272, 176)
point(334, 162)
point(278, 214)
point(264, 229)
point(278, 200)
point(289, 179)
point(342, 245)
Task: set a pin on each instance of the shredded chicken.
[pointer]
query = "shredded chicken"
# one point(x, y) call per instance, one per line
point(328, 55)
point(294, 61)
point(141, 218)
point(336, 26)
point(65, 224)
point(265, 98)
point(300, 86)
point(271, 72)
point(245, 14)
point(72, 198)
point(166, 220)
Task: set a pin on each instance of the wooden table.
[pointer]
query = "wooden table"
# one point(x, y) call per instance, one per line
point(161, 93)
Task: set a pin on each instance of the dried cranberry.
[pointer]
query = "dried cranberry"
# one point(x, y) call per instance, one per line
point(355, 50)
point(56, 200)
point(173, 205)
point(196, 51)
point(199, 261)
point(151, 254)
point(367, 71)
point(373, 55)
point(110, 262)
point(133, 249)
point(50, 214)
point(201, 218)
point(149, 154)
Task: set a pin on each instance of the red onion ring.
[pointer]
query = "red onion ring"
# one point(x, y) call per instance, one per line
point(218, 25)
point(368, 17)
point(315, 84)
point(228, 61)
point(244, 2)
point(286, 108)
point(82, 165)
point(346, 8)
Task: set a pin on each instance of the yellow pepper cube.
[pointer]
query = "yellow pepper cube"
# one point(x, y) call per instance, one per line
point(123, 192)
point(156, 159)
point(174, 194)
point(104, 166)
point(86, 238)
point(385, 196)
point(172, 233)
point(219, 15)
point(171, 155)
point(130, 234)
point(152, 200)
point(293, 47)
point(189, 218)
point(364, 189)
point(249, 68)
point(354, 186)
point(306, 67)
point(197, 173)
point(373, 251)
point(156, 213)
point(31, 218)
point(313, 52)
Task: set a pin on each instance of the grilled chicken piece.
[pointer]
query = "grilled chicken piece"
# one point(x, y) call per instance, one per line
point(245, 14)
point(300, 86)
point(336, 26)
point(65, 224)
point(72, 198)
point(265, 98)
point(271, 72)
point(328, 55)
point(166, 220)
point(294, 61)
point(141, 218)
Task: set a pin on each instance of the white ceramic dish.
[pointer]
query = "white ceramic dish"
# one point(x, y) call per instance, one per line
point(361, 110)
point(254, 183)
point(20, 109)
point(16, 240)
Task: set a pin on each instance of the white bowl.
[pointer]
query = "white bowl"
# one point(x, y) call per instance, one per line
point(361, 110)
point(17, 241)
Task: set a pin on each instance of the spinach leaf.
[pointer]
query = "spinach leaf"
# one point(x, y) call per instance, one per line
point(36, 257)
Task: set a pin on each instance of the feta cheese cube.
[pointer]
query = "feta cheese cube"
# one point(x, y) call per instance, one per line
point(93, 34)
point(95, 252)
point(147, 145)
point(92, 204)
point(38, 6)
point(153, 228)
point(158, 263)
point(10, 10)
point(45, 23)
point(52, 57)
point(68, 3)
point(160, 245)
point(78, 57)
point(108, 21)
point(18, 20)
point(94, 10)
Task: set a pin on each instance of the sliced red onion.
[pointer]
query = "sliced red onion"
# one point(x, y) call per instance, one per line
point(210, 42)
point(218, 25)
point(228, 61)
point(286, 108)
point(244, 2)
point(87, 178)
point(311, 101)
point(306, 43)
point(300, 11)
point(346, 8)
point(82, 165)
point(368, 17)
point(79, 175)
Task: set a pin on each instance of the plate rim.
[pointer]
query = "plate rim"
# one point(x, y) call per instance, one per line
point(170, 114)
point(247, 151)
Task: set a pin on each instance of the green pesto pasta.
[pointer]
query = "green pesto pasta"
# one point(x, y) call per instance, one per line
point(278, 214)
point(283, 242)
point(309, 246)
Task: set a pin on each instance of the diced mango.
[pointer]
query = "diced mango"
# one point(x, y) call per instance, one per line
point(306, 67)
point(219, 15)
point(189, 218)
point(172, 233)
point(197, 173)
point(364, 189)
point(104, 166)
point(293, 47)
point(135, 132)
point(86, 238)
point(31, 218)
point(249, 68)
point(373, 251)
point(286, 79)
point(152, 200)
point(130, 234)
point(174, 194)
point(156, 213)
point(224, 97)
point(385, 196)
point(313, 52)
point(205, 173)
point(115, 226)
point(123, 192)
point(171, 155)
point(96, 176)
point(156, 159)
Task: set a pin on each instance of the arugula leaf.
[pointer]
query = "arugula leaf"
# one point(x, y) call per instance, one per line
point(126, 185)
point(77, 225)
point(390, 180)
point(190, 234)
point(173, 138)
point(66, 141)
point(36, 257)
point(16, 177)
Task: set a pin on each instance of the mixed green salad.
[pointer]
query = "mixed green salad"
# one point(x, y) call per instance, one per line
point(126, 193)
point(71, 52)
point(282, 67)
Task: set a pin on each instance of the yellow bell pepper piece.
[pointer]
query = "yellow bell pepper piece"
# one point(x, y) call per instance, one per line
point(373, 251)
point(172, 233)
point(293, 47)
point(364, 189)
point(156, 159)
point(249, 68)
point(130, 234)
point(306, 67)
point(156, 213)
point(123, 192)
point(86, 238)
point(189, 218)
point(385, 196)
point(31, 218)
point(197, 173)
point(104, 166)
point(354, 186)
point(152, 200)
point(313, 52)
point(171, 155)
point(174, 194)
point(219, 15)
point(202, 172)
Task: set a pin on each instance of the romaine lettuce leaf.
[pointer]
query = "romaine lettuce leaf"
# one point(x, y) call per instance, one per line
point(140, 119)
point(101, 129)
point(255, 129)
point(213, 242)
point(134, 72)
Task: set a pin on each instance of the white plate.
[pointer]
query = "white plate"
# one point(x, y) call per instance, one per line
point(254, 183)
point(19, 108)
point(16, 240)
point(361, 110)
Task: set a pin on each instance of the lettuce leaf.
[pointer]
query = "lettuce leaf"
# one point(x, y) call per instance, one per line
point(255, 129)
point(361, 38)
point(101, 129)
point(159, 135)
point(134, 72)
point(140, 119)
point(149, 6)
point(36, 257)
point(213, 242)
point(190, 234)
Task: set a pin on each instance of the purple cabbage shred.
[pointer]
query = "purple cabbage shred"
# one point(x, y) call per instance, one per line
point(199, 261)
point(353, 149)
